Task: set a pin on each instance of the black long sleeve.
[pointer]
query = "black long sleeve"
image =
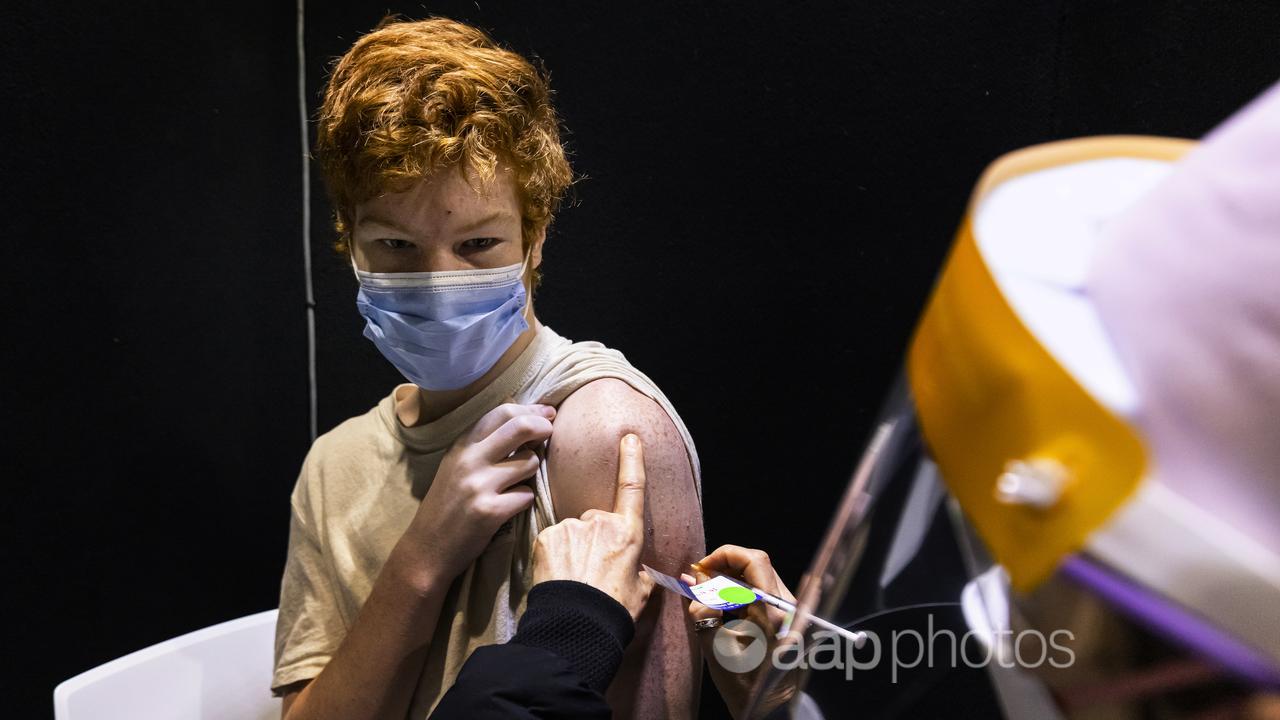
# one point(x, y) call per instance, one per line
point(566, 650)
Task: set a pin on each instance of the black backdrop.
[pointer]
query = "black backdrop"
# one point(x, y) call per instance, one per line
point(769, 191)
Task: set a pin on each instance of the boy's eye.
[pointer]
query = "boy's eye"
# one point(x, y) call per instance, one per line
point(396, 243)
point(480, 243)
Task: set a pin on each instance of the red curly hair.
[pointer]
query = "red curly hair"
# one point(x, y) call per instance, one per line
point(412, 98)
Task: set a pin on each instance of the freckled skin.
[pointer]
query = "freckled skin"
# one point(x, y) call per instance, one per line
point(661, 672)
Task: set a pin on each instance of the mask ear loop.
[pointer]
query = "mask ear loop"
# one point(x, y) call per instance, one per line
point(528, 287)
point(525, 266)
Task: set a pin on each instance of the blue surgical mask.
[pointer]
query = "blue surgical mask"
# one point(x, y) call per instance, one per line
point(443, 330)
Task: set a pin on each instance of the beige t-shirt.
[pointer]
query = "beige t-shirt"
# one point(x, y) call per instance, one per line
point(360, 486)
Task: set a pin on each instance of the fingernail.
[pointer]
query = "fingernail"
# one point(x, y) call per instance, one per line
point(630, 442)
point(548, 411)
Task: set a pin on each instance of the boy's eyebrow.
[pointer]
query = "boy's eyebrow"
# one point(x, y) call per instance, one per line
point(480, 222)
point(390, 224)
point(463, 229)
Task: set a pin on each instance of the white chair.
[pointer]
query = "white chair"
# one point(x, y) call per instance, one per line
point(219, 672)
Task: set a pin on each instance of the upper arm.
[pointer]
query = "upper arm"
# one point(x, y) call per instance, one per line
point(291, 694)
point(582, 464)
point(660, 672)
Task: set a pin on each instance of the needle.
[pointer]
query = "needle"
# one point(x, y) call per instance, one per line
point(858, 638)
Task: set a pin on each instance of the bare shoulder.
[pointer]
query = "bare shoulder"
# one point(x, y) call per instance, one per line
point(583, 453)
point(604, 410)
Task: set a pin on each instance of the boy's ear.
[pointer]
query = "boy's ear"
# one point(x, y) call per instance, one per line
point(535, 252)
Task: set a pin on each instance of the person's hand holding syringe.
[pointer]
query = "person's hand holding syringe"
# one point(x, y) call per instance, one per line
point(741, 580)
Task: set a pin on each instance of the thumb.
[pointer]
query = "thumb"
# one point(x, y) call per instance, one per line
point(646, 585)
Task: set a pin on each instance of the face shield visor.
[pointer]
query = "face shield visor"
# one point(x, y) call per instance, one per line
point(1071, 503)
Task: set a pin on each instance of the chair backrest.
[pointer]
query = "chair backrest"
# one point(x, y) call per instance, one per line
point(223, 671)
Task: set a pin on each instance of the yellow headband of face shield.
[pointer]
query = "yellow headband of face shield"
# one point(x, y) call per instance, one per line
point(1036, 462)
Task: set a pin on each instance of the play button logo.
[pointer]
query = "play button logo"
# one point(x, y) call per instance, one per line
point(739, 646)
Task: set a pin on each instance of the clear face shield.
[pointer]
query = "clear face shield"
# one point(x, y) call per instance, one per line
point(947, 636)
point(1048, 520)
point(890, 569)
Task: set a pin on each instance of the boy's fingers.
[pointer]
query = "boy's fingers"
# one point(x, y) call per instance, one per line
point(499, 416)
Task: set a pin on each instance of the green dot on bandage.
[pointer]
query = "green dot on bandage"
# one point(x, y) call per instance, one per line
point(737, 595)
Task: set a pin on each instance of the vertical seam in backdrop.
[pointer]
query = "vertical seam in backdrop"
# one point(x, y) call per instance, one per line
point(306, 220)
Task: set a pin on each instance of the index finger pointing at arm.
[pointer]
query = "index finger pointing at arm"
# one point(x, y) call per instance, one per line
point(629, 502)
